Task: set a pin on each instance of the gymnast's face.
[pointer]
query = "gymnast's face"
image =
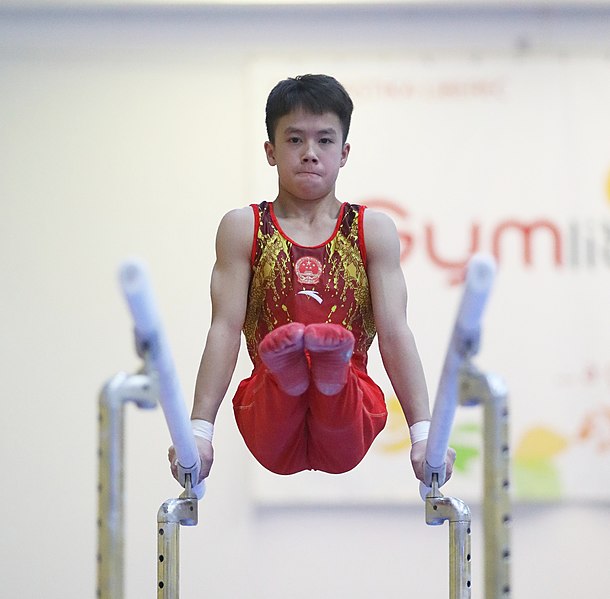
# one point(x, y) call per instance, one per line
point(308, 152)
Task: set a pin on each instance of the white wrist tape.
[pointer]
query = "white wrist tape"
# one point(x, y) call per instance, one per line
point(203, 428)
point(419, 431)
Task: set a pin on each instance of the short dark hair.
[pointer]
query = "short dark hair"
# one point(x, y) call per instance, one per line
point(316, 94)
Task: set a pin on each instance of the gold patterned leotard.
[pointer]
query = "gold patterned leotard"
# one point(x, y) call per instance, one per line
point(324, 283)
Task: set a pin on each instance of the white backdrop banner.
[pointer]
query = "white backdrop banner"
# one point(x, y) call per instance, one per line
point(509, 156)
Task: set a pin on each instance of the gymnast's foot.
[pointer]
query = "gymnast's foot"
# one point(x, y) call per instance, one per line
point(281, 351)
point(330, 348)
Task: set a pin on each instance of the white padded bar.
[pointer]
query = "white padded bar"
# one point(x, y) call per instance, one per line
point(137, 289)
point(463, 344)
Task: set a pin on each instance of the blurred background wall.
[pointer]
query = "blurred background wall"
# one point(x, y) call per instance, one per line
point(126, 130)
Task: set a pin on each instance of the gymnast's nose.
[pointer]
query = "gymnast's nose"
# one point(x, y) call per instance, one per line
point(309, 153)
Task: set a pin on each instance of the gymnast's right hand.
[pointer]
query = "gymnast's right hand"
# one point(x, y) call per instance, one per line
point(206, 455)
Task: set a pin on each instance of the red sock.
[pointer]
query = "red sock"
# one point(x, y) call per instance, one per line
point(281, 351)
point(330, 348)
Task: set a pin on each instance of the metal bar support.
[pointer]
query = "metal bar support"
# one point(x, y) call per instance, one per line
point(438, 510)
point(119, 390)
point(490, 391)
point(172, 514)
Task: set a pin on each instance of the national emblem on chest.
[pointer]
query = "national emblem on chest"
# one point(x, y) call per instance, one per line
point(308, 270)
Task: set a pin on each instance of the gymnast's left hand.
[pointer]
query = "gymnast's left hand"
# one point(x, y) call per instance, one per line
point(418, 460)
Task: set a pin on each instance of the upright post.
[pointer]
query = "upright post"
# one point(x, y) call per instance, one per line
point(172, 514)
point(119, 390)
point(438, 510)
point(490, 391)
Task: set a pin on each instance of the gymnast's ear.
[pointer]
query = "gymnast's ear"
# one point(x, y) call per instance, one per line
point(344, 154)
point(270, 152)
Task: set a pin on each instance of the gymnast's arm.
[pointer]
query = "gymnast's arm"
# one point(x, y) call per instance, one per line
point(229, 293)
point(396, 341)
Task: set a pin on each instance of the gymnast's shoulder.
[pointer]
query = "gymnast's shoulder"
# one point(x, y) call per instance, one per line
point(379, 228)
point(236, 229)
point(237, 221)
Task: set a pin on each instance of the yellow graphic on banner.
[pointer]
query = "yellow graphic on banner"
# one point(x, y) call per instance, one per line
point(535, 470)
point(536, 474)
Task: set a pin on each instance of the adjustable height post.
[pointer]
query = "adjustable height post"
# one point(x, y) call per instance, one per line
point(121, 389)
point(172, 514)
point(490, 391)
point(438, 510)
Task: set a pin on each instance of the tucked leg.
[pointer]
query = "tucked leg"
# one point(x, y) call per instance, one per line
point(282, 352)
point(343, 427)
point(330, 348)
point(272, 423)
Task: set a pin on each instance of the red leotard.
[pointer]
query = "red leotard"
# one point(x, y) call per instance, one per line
point(293, 283)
